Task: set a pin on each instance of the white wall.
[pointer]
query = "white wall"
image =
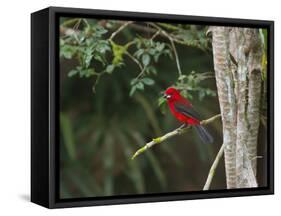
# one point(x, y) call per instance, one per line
point(15, 106)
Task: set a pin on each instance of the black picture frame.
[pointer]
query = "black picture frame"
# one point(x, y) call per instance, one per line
point(45, 105)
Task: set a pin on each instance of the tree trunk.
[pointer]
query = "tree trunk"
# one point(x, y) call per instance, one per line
point(237, 61)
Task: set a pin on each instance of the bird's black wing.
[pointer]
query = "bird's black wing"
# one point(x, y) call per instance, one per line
point(187, 110)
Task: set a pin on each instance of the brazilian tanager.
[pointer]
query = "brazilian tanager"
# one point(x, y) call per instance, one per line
point(184, 112)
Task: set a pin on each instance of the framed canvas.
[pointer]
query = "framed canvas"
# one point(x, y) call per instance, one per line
point(139, 107)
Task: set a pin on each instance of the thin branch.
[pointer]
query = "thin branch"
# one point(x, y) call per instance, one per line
point(64, 30)
point(138, 27)
point(213, 168)
point(171, 134)
point(141, 73)
point(155, 35)
point(98, 76)
point(86, 22)
point(77, 24)
point(135, 60)
point(119, 29)
point(176, 56)
point(256, 157)
point(142, 69)
point(173, 46)
point(70, 22)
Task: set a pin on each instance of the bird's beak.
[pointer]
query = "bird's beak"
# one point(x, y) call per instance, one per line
point(166, 96)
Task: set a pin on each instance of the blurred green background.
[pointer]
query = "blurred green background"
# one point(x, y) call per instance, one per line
point(101, 129)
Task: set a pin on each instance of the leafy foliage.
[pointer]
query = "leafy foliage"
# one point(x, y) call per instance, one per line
point(148, 53)
point(194, 36)
point(91, 44)
point(190, 86)
point(148, 49)
point(87, 46)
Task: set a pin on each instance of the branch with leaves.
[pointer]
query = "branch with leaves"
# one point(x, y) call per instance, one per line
point(98, 51)
point(172, 44)
point(171, 134)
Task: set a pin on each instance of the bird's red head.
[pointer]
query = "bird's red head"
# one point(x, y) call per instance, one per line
point(172, 94)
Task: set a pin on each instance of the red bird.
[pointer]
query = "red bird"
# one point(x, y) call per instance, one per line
point(182, 109)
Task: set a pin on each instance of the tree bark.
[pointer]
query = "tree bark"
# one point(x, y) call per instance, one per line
point(237, 62)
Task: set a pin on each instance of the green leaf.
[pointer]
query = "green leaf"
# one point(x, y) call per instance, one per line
point(62, 42)
point(181, 77)
point(133, 89)
point(139, 53)
point(134, 81)
point(100, 31)
point(88, 59)
point(156, 57)
point(152, 70)
point(162, 104)
point(109, 69)
point(161, 101)
point(201, 95)
point(140, 85)
point(103, 46)
point(152, 51)
point(160, 46)
point(67, 51)
point(148, 81)
point(87, 72)
point(168, 52)
point(99, 57)
point(145, 59)
point(72, 73)
point(118, 52)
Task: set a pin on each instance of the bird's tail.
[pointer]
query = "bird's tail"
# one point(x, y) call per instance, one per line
point(204, 134)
